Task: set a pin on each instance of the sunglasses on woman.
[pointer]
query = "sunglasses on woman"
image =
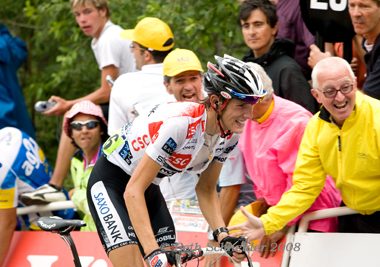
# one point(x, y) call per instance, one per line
point(78, 125)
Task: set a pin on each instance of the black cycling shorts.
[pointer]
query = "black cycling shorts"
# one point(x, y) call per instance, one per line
point(105, 191)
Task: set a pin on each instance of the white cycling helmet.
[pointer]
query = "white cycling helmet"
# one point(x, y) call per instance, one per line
point(233, 78)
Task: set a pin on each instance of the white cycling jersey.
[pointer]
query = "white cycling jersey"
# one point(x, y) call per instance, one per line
point(23, 166)
point(173, 135)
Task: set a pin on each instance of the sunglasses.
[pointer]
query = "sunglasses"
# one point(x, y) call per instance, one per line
point(78, 125)
point(251, 99)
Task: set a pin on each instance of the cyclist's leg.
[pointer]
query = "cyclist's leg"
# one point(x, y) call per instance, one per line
point(105, 191)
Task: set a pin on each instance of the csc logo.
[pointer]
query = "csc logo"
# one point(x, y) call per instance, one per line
point(140, 142)
point(180, 161)
point(336, 5)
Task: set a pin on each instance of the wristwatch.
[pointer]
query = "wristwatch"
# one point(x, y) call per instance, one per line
point(217, 232)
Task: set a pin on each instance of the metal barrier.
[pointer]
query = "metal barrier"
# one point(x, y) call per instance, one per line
point(59, 205)
point(323, 214)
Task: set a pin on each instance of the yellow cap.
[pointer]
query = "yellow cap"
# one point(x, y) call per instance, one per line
point(181, 60)
point(151, 33)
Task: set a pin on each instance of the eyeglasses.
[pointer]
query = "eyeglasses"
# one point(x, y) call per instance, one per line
point(78, 125)
point(332, 92)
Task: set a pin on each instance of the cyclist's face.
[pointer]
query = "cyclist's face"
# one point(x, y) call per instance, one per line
point(90, 20)
point(88, 140)
point(257, 33)
point(186, 86)
point(235, 115)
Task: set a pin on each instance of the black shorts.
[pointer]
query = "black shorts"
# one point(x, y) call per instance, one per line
point(105, 191)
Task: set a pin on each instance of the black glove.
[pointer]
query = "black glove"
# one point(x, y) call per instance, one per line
point(233, 244)
point(159, 257)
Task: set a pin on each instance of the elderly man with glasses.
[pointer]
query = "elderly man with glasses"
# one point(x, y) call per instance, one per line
point(343, 141)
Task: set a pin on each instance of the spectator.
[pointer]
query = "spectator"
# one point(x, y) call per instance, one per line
point(152, 39)
point(365, 17)
point(258, 21)
point(342, 140)
point(183, 74)
point(13, 111)
point(86, 126)
point(23, 167)
point(113, 57)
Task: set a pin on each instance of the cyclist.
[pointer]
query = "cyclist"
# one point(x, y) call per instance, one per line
point(128, 208)
point(23, 167)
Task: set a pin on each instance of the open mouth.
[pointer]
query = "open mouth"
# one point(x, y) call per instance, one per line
point(341, 105)
point(189, 97)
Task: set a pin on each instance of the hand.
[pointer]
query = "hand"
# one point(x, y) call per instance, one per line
point(268, 245)
point(316, 55)
point(355, 65)
point(235, 247)
point(252, 229)
point(59, 108)
point(158, 257)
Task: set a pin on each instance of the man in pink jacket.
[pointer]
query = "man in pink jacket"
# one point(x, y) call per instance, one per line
point(279, 124)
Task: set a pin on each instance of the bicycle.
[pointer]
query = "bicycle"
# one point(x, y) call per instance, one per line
point(181, 253)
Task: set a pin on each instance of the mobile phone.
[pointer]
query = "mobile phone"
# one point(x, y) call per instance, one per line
point(42, 106)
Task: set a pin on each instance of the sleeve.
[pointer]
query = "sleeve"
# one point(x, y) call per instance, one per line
point(230, 144)
point(372, 82)
point(287, 146)
point(233, 171)
point(170, 136)
point(118, 116)
point(308, 182)
point(112, 47)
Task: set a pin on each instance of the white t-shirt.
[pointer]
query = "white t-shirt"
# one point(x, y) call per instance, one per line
point(233, 171)
point(173, 135)
point(136, 93)
point(111, 49)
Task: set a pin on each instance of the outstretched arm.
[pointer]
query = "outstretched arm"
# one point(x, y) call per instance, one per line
point(99, 96)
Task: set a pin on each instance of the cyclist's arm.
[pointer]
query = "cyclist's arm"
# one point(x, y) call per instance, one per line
point(7, 226)
point(207, 195)
point(141, 178)
point(99, 96)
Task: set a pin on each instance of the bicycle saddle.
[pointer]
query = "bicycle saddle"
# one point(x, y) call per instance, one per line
point(56, 224)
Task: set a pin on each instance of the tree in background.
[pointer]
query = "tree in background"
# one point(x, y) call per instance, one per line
point(60, 59)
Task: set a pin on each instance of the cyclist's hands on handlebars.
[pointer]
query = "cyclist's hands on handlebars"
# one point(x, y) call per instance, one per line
point(159, 257)
point(235, 247)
